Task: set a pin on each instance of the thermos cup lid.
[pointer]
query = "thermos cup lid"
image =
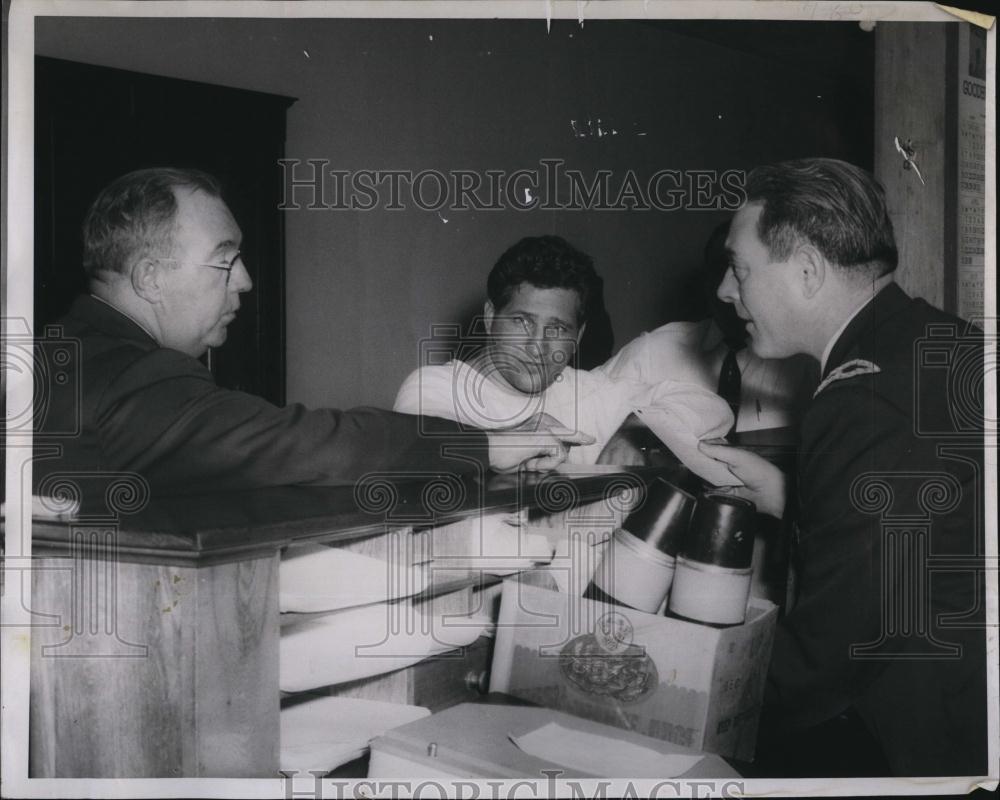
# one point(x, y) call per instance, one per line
point(721, 531)
point(662, 520)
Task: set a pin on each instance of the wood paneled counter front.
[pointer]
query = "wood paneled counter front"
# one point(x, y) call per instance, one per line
point(155, 647)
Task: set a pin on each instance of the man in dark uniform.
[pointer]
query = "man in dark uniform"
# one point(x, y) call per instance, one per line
point(879, 665)
point(162, 252)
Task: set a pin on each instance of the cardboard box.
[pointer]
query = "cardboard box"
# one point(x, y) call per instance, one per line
point(473, 741)
point(689, 684)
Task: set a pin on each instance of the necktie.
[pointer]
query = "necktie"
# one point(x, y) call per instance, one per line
point(729, 385)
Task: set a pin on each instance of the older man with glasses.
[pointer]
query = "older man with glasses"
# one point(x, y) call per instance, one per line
point(162, 254)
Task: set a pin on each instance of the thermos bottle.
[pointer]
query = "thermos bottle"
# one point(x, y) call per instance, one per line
point(638, 565)
point(712, 580)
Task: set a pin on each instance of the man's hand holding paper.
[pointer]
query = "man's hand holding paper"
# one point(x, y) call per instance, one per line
point(682, 415)
point(759, 480)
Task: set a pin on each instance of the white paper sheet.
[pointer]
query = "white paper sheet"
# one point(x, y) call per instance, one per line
point(677, 435)
point(330, 731)
point(321, 578)
point(504, 549)
point(371, 640)
point(601, 755)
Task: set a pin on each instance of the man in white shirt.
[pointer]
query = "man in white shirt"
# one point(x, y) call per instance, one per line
point(539, 294)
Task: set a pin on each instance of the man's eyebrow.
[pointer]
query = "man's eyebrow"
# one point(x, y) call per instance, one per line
point(732, 260)
point(514, 312)
point(222, 247)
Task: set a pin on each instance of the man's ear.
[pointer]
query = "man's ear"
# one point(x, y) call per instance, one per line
point(488, 313)
point(146, 277)
point(811, 269)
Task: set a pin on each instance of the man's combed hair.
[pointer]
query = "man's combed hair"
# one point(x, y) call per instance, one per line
point(134, 216)
point(547, 262)
point(836, 206)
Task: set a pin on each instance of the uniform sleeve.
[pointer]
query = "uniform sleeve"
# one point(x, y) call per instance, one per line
point(165, 418)
point(850, 431)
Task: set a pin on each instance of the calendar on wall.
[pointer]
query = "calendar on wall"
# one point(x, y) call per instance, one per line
point(971, 206)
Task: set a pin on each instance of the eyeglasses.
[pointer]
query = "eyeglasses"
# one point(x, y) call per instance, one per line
point(227, 268)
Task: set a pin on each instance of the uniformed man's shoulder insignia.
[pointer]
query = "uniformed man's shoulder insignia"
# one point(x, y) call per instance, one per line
point(849, 369)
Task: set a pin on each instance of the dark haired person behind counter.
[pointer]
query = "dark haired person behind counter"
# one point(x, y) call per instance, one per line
point(540, 295)
point(162, 254)
point(879, 667)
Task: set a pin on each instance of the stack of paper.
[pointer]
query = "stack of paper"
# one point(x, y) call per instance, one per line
point(321, 578)
point(324, 733)
point(601, 753)
point(357, 643)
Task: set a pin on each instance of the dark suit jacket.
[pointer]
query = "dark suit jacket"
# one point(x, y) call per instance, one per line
point(158, 412)
point(890, 533)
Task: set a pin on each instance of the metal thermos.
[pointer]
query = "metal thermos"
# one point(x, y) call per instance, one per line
point(637, 567)
point(712, 580)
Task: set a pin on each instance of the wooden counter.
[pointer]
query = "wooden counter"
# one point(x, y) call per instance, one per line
point(160, 654)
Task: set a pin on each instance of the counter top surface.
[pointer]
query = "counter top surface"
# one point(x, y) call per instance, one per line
point(236, 524)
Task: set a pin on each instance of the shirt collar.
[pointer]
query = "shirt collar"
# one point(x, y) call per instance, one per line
point(877, 286)
point(125, 314)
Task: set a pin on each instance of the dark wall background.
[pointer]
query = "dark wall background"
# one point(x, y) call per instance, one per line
point(365, 287)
